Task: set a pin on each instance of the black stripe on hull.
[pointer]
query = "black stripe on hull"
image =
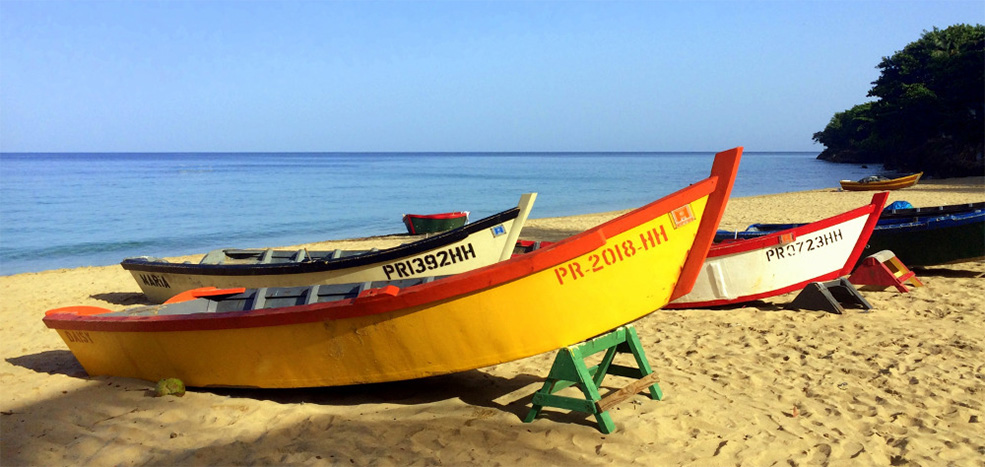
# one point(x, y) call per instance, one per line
point(387, 255)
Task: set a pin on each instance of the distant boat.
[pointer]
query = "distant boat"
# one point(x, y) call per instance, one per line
point(332, 335)
point(784, 260)
point(924, 236)
point(433, 223)
point(472, 246)
point(877, 183)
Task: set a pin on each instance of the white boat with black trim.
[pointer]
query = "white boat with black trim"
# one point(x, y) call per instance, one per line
point(469, 247)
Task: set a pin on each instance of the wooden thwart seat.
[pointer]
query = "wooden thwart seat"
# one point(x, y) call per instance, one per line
point(300, 256)
point(569, 369)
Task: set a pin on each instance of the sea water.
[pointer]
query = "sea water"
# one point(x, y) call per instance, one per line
point(71, 210)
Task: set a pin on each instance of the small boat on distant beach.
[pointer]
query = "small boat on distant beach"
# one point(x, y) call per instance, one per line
point(471, 246)
point(434, 223)
point(878, 183)
point(784, 260)
point(922, 236)
point(552, 297)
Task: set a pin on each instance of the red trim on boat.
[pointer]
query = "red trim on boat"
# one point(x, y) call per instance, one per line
point(724, 169)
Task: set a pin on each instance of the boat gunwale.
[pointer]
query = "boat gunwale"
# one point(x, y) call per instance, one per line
point(388, 254)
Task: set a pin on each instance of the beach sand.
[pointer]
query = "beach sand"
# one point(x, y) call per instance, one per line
point(759, 385)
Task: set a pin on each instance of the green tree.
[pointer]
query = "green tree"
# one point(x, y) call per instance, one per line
point(929, 112)
point(849, 132)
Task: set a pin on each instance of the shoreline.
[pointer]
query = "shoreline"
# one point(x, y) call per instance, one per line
point(752, 385)
point(743, 212)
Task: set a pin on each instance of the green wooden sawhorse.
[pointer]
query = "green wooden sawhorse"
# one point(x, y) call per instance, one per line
point(569, 369)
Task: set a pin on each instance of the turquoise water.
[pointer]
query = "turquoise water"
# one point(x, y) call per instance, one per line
point(71, 210)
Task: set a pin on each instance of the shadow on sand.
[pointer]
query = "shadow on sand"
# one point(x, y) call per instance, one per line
point(949, 272)
point(474, 387)
point(488, 394)
point(52, 362)
point(122, 298)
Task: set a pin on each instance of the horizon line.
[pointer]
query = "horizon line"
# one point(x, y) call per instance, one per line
point(400, 152)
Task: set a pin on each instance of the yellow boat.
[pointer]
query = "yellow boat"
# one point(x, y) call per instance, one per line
point(556, 296)
point(881, 185)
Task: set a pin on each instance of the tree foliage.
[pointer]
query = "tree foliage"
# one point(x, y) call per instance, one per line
point(929, 112)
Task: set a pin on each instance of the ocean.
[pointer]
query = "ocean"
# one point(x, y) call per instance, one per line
point(71, 210)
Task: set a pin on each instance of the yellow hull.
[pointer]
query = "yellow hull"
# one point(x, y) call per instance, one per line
point(557, 296)
point(894, 184)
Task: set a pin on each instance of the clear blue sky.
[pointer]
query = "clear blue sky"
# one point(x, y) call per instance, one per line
point(443, 76)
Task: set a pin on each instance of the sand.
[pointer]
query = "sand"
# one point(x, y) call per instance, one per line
point(759, 385)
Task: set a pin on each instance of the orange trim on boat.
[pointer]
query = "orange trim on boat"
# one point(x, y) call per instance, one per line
point(390, 290)
point(78, 310)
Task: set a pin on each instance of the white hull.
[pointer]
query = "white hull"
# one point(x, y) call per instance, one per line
point(783, 262)
point(481, 248)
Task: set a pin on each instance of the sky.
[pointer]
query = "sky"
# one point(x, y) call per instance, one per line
point(443, 76)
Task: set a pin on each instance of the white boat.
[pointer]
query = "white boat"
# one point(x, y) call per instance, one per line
point(472, 246)
point(783, 261)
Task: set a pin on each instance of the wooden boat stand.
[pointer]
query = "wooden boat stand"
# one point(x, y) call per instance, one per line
point(569, 369)
point(882, 270)
point(832, 296)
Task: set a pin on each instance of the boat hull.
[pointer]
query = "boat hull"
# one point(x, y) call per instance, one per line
point(924, 236)
point(783, 261)
point(449, 253)
point(948, 239)
point(472, 331)
point(894, 184)
point(434, 223)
